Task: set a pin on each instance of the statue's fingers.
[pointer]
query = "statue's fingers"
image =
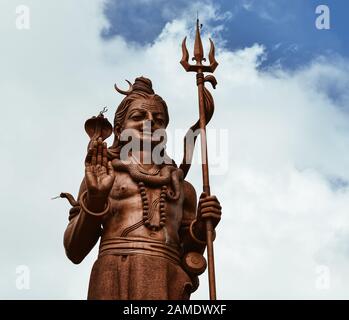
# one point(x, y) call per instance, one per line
point(214, 198)
point(210, 204)
point(88, 158)
point(99, 151)
point(208, 198)
point(110, 169)
point(211, 210)
point(105, 156)
point(88, 167)
point(94, 153)
point(211, 215)
point(203, 195)
point(211, 207)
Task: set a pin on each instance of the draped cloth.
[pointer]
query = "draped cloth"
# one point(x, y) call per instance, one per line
point(136, 277)
point(190, 137)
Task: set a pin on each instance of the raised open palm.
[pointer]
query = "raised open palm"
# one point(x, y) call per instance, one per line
point(99, 173)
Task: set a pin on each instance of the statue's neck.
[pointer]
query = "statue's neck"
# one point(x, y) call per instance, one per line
point(144, 158)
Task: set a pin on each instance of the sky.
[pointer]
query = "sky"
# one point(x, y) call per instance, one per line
point(285, 28)
point(278, 141)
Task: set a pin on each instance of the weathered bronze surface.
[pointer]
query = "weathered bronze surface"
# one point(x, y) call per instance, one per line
point(152, 233)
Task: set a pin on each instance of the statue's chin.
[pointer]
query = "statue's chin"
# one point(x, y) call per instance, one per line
point(149, 138)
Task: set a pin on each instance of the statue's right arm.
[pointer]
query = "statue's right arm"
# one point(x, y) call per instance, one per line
point(83, 230)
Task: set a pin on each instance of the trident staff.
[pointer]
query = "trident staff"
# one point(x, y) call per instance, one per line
point(205, 103)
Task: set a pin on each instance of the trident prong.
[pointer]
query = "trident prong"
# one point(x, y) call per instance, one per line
point(198, 55)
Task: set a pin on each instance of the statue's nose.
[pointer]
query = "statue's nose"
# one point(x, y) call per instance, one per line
point(149, 124)
point(150, 119)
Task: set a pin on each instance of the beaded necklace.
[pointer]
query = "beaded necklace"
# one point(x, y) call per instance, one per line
point(148, 211)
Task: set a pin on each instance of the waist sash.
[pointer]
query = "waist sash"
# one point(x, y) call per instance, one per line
point(133, 245)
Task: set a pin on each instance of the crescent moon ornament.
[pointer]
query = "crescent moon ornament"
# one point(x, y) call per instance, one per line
point(126, 93)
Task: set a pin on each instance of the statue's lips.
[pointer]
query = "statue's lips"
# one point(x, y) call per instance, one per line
point(148, 134)
point(151, 137)
point(137, 133)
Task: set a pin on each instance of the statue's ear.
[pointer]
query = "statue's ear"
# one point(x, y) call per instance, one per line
point(117, 131)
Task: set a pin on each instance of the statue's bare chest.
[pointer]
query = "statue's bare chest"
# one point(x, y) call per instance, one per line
point(124, 187)
point(127, 209)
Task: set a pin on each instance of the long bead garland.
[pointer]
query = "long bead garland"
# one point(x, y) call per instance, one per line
point(146, 208)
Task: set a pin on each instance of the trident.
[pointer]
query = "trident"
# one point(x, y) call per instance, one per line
point(199, 68)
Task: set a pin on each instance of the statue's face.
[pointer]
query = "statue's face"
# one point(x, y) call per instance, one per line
point(143, 118)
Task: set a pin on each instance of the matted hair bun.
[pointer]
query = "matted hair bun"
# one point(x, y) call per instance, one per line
point(143, 84)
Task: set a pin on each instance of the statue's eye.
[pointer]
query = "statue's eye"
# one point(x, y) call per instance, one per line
point(137, 116)
point(160, 121)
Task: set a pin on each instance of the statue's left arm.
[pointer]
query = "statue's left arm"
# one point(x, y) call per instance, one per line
point(189, 215)
point(193, 227)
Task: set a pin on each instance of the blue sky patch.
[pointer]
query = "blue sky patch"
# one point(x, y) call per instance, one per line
point(286, 28)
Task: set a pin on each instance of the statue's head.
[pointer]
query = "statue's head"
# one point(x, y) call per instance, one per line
point(141, 112)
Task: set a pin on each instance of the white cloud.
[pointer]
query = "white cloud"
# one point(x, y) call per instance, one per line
point(282, 217)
